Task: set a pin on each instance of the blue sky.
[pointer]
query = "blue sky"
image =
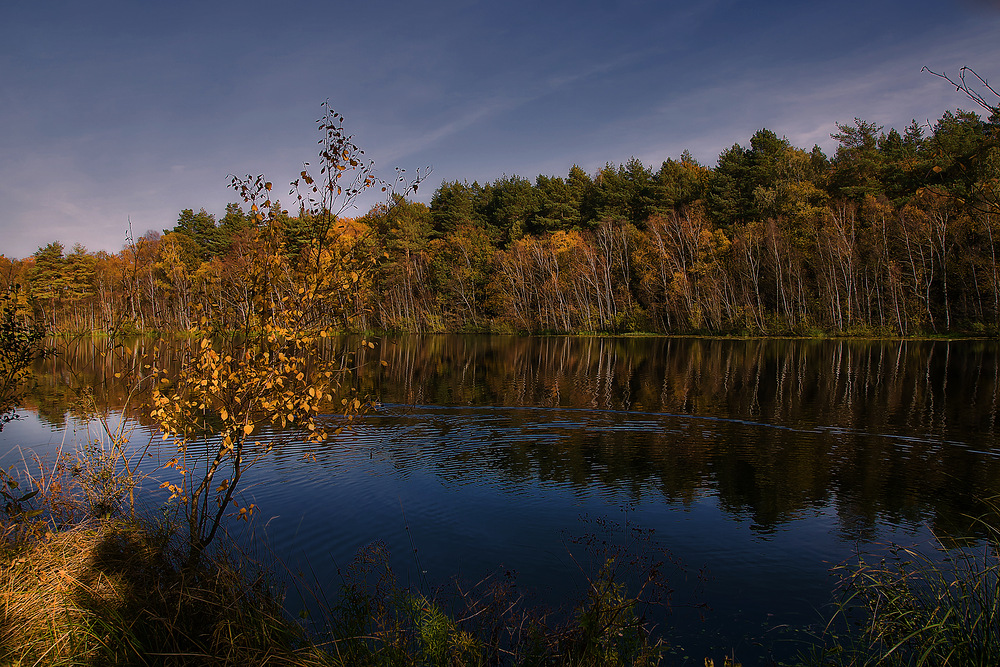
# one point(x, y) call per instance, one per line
point(118, 111)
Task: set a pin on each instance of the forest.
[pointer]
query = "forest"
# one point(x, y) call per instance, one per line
point(891, 236)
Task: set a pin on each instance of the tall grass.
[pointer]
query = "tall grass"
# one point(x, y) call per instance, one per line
point(118, 592)
point(374, 621)
point(112, 592)
point(916, 607)
point(80, 589)
point(89, 583)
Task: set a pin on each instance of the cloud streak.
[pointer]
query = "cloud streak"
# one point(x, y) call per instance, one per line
point(117, 109)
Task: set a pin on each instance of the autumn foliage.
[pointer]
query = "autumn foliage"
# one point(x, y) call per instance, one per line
point(895, 234)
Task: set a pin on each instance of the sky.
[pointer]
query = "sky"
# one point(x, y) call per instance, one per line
point(124, 113)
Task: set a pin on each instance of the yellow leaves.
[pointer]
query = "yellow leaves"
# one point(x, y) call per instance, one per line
point(222, 395)
point(175, 491)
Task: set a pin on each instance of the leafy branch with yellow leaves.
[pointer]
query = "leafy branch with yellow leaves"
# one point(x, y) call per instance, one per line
point(277, 372)
point(226, 394)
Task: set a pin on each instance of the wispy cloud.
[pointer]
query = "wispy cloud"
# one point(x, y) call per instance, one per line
point(108, 114)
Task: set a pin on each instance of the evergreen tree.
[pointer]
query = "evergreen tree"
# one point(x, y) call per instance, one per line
point(512, 205)
point(455, 204)
point(558, 206)
point(201, 228)
point(232, 224)
point(857, 165)
point(49, 281)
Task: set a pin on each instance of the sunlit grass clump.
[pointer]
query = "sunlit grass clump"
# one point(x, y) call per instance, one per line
point(113, 592)
point(121, 591)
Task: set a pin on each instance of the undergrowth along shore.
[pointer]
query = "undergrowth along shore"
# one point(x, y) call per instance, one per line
point(989, 333)
point(86, 579)
point(117, 590)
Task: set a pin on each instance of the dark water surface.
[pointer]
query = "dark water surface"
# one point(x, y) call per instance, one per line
point(758, 464)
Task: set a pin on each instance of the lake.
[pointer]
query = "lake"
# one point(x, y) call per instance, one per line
point(755, 464)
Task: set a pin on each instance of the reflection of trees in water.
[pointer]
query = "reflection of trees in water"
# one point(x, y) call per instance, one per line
point(896, 430)
point(80, 378)
point(872, 386)
point(891, 425)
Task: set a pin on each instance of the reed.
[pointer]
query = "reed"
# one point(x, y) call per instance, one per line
point(374, 621)
point(916, 607)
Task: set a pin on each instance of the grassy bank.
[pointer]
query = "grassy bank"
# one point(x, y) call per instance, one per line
point(113, 592)
point(118, 592)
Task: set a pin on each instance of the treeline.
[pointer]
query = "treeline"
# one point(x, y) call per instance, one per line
point(896, 234)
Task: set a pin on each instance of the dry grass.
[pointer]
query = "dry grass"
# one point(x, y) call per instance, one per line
point(114, 592)
point(110, 592)
point(82, 590)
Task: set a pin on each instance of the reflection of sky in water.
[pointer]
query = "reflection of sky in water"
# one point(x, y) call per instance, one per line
point(30, 434)
point(441, 478)
point(762, 498)
point(477, 489)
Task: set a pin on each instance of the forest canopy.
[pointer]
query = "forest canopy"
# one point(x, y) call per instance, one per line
point(894, 234)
